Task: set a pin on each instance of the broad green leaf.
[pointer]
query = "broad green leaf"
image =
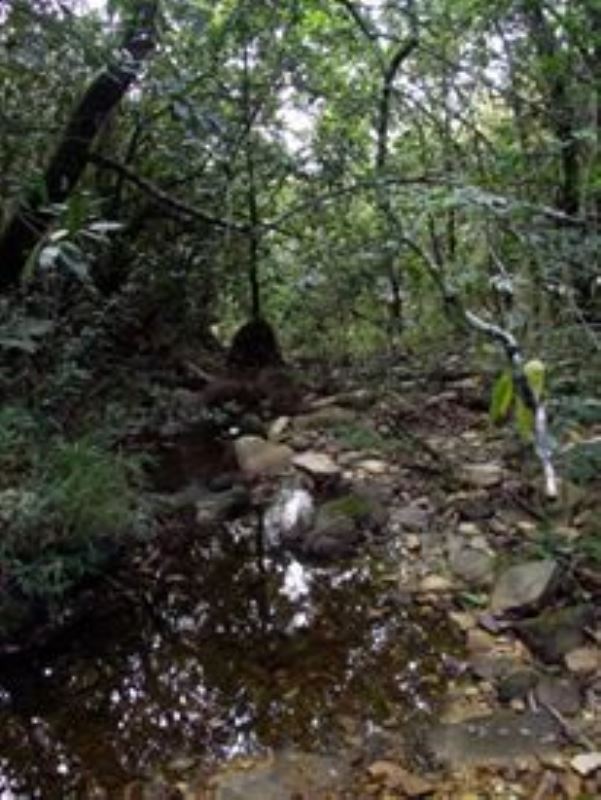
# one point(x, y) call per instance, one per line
point(502, 397)
point(524, 420)
point(534, 371)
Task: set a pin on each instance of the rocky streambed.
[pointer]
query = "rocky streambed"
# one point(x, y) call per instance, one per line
point(404, 632)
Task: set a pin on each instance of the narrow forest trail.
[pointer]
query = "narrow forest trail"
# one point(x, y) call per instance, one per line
point(424, 646)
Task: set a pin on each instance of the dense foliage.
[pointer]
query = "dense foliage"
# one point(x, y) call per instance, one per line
point(354, 171)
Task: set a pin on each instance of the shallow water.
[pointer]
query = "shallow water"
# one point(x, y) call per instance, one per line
point(211, 653)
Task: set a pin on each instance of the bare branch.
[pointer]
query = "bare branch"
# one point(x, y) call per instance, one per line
point(181, 209)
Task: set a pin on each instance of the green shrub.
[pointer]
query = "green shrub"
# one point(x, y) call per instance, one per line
point(18, 443)
point(64, 507)
point(87, 491)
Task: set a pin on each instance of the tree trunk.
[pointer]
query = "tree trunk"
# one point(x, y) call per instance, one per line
point(560, 106)
point(29, 222)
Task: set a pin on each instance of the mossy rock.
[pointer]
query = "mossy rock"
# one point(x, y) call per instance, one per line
point(354, 506)
point(341, 525)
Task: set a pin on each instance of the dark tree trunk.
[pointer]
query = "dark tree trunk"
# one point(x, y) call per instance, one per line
point(560, 107)
point(29, 222)
point(382, 128)
point(252, 205)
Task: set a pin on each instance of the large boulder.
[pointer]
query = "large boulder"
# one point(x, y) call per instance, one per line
point(257, 456)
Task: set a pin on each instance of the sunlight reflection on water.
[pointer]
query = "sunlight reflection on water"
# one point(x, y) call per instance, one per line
point(231, 655)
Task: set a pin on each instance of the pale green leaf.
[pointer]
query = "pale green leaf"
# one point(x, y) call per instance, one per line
point(502, 397)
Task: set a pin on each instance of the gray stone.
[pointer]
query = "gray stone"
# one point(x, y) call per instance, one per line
point(316, 464)
point(499, 737)
point(343, 522)
point(517, 684)
point(561, 694)
point(473, 566)
point(482, 476)
point(525, 586)
point(285, 775)
point(586, 763)
point(553, 634)
point(493, 666)
point(416, 516)
point(584, 660)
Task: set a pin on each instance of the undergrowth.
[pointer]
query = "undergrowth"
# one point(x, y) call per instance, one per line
point(65, 507)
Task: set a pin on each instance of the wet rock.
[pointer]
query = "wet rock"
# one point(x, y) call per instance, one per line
point(482, 476)
point(318, 465)
point(551, 635)
point(416, 516)
point(584, 660)
point(499, 737)
point(327, 417)
point(342, 523)
point(517, 684)
point(525, 586)
point(285, 775)
point(289, 516)
point(257, 456)
point(472, 565)
point(561, 694)
point(212, 507)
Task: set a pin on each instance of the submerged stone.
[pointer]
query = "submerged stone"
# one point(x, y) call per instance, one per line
point(502, 736)
point(285, 775)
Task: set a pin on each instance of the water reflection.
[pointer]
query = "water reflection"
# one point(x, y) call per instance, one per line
point(226, 656)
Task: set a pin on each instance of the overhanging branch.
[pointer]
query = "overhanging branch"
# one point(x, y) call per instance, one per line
point(164, 199)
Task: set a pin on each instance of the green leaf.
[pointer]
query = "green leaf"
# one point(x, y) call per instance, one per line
point(534, 371)
point(502, 397)
point(524, 420)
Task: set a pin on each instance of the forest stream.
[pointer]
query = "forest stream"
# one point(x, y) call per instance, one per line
point(222, 660)
point(238, 656)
